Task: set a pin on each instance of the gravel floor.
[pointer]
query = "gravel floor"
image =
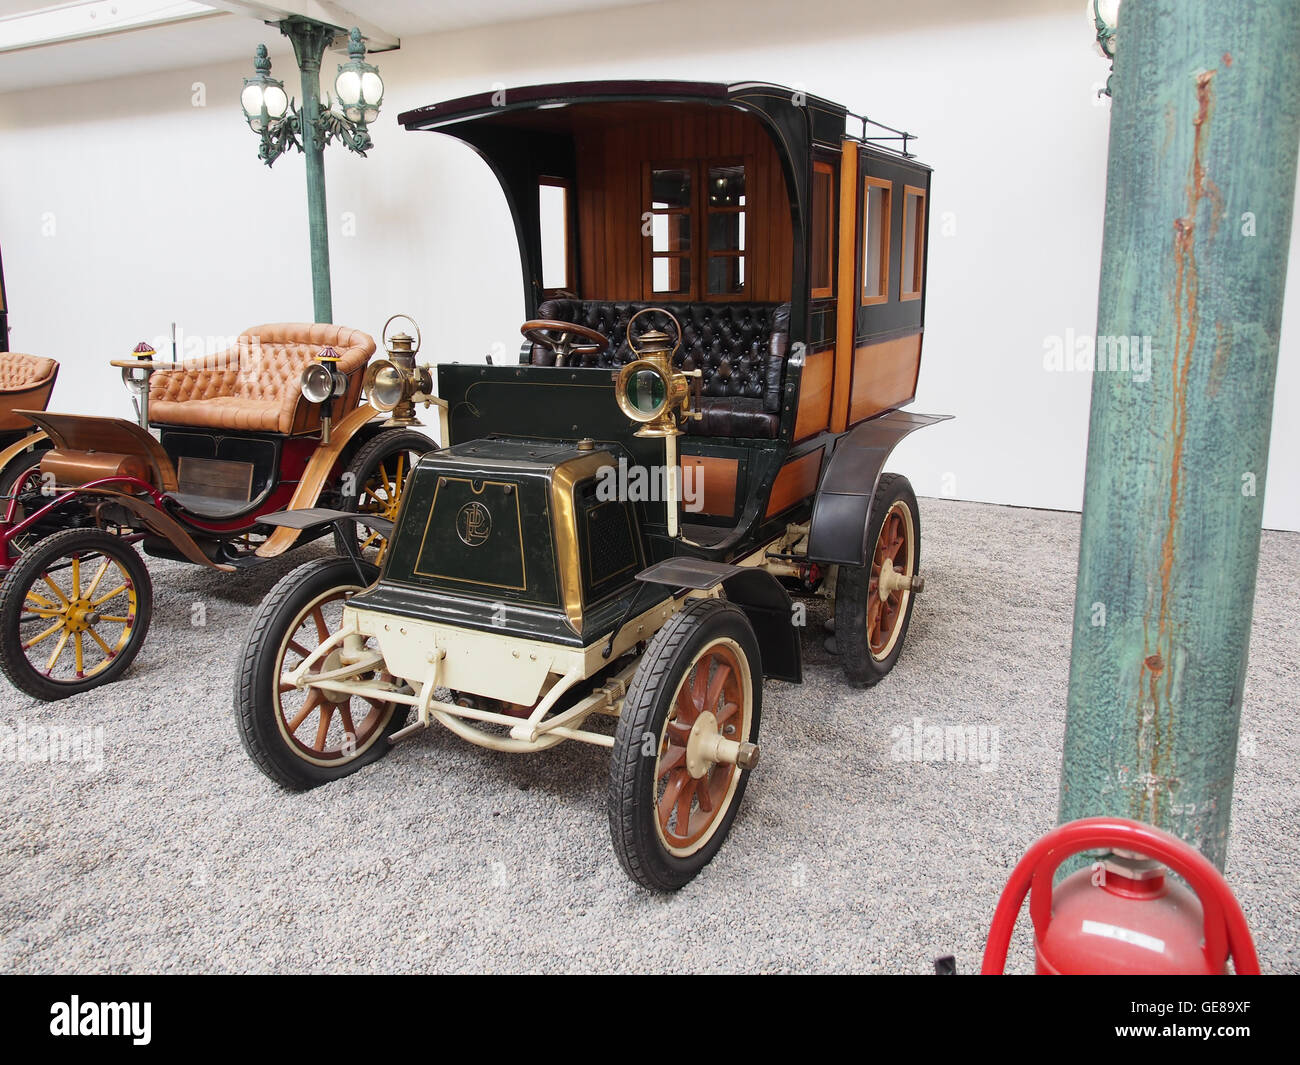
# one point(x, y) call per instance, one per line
point(177, 855)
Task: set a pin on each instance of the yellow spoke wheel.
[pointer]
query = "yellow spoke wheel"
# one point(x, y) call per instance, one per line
point(373, 484)
point(74, 611)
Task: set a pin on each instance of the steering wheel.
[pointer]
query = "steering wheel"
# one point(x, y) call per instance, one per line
point(562, 338)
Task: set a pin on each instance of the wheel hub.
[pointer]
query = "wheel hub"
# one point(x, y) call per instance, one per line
point(79, 615)
point(707, 746)
point(332, 662)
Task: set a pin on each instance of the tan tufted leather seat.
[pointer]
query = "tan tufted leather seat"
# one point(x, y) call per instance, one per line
point(26, 382)
point(253, 387)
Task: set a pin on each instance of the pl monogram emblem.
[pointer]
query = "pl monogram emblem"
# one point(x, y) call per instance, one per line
point(473, 524)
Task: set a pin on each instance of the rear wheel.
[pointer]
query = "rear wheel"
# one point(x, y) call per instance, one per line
point(74, 611)
point(873, 603)
point(302, 737)
point(21, 464)
point(24, 479)
point(373, 485)
point(671, 799)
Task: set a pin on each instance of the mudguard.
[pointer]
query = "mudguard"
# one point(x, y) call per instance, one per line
point(316, 476)
point(761, 596)
point(842, 506)
point(19, 447)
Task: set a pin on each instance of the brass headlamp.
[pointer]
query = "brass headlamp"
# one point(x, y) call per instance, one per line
point(395, 384)
point(322, 381)
point(649, 390)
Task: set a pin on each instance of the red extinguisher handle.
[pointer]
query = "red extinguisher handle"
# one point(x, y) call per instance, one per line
point(1225, 926)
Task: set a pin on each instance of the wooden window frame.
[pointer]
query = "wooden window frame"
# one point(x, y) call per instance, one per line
point(707, 256)
point(570, 244)
point(647, 239)
point(918, 266)
point(827, 291)
point(887, 214)
point(699, 213)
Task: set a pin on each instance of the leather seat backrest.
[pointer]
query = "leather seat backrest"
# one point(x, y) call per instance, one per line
point(265, 365)
point(740, 347)
point(19, 371)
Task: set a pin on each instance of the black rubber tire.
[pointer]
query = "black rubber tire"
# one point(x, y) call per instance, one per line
point(379, 452)
point(852, 589)
point(20, 464)
point(13, 594)
point(255, 706)
point(632, 810)
point(9, 476)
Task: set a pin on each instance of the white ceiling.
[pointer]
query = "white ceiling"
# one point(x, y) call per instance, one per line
point(223, 37)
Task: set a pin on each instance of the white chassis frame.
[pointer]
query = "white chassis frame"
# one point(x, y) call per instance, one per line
point(426, 656)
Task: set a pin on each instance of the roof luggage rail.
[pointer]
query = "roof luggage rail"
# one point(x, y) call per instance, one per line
point(877, 139)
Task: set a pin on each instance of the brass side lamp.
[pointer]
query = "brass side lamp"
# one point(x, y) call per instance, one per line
point(651, 392)
point(396, 384)
point(322, 381)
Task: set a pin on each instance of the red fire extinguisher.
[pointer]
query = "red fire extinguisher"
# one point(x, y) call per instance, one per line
point(1123, 915)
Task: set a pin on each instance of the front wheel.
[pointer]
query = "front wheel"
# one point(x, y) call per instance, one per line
point(373, 484)
point(302, 737)
point(74, 611)
point(873, 603)
point(688, 724)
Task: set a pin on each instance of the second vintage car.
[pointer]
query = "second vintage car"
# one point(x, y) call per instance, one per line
point(221, 442)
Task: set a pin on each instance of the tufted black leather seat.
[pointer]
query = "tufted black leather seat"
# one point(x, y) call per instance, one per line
point(741, 347)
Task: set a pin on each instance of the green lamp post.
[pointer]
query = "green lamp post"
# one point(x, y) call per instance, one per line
point(272, 115)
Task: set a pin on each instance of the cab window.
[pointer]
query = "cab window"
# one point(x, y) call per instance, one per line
point(556, 234)
point(822, 263)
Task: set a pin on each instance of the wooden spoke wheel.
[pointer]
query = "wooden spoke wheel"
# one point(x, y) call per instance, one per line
point(303, 736)
point(74, 611)
point(687, 729)
point(887, 597)
point(373, 484)
point(873, 603)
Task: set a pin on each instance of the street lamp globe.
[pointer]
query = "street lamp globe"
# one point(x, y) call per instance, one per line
point(359, 87)
point(1104, 15)
point(263, 99)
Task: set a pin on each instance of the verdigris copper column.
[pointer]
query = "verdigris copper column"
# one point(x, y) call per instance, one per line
point(1205, 126)
point(310, 39)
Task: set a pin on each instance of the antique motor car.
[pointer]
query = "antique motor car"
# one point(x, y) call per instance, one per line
point(273, 422)
point(724, 287)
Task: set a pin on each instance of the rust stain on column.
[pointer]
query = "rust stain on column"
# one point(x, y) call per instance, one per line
point(1160, 662)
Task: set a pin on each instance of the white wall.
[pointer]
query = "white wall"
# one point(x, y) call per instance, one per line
point(161, 211)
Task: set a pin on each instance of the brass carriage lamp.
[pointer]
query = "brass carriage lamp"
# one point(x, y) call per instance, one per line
point(359, 87)
point(322, 381)
point(650, 390)
point(396, 384)
point(264, 100)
